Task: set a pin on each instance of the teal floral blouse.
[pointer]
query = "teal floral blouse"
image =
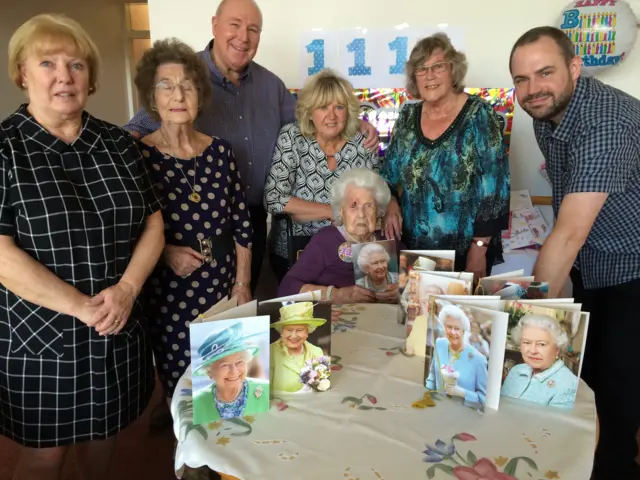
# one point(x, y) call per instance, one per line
point(455, 187)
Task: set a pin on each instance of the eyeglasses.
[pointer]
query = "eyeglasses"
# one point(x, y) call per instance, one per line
point(437, 69)
point(167, 87)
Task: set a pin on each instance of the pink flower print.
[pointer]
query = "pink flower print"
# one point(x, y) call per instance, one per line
point(551, 383)
point(282, 406)
point(389, 354)
point(483, 469)
point(465, 437)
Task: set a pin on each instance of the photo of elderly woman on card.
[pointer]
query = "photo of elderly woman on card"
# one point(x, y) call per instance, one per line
point(294, 350)
point(543, 376)
point(458, 369)
point(376, 265)
point(224, 356)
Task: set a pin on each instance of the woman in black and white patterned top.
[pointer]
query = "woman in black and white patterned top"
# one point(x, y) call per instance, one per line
point(80, 231)
point(310, 155)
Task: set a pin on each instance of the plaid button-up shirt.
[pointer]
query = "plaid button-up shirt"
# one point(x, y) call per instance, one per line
point(596, 148)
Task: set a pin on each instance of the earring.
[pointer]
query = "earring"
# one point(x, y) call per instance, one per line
point(24, 85)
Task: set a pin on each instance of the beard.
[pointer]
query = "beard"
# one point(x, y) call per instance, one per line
point(559, 104)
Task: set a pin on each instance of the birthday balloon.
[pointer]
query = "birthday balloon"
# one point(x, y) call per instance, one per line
point(603, 32)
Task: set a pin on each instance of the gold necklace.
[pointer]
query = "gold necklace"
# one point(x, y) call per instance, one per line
point(193, 196)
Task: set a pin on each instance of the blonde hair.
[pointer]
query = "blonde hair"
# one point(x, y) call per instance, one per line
point(322, 89)
point(427, 47)
point(51, 33)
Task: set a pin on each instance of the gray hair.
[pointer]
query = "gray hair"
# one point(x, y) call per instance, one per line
point(360, 178)
point(545, 322)
point(364, 258)
point(456, 312)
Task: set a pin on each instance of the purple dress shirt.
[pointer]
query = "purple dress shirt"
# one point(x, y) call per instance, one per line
point(320, 263)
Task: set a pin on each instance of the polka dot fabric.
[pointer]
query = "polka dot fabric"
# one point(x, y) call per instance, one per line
point(174, 301)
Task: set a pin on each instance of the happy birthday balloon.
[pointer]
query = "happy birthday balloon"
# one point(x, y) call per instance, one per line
point(603, 32)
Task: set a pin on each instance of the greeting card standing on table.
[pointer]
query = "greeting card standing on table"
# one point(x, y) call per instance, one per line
point(411, 263)
point(375, 265)
point(229, 363)
point(513, 287)
point(467, 359)
point(544, 352)
point(416, 301)
point(300, 345)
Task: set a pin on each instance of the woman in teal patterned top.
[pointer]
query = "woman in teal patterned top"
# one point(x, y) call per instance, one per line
point(447, 163)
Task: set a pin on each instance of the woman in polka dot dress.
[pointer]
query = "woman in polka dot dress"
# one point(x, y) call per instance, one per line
point(207, 226)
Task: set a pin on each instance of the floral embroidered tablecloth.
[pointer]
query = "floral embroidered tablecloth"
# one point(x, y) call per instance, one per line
point(370, 426)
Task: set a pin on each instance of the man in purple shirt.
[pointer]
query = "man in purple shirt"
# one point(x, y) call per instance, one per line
point(250, 104)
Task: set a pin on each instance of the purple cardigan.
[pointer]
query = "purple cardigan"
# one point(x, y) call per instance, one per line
point(320, 264)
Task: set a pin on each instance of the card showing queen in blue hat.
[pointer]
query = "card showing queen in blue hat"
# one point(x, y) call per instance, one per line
point(230, 365)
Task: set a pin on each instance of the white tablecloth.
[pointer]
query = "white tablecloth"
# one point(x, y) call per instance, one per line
point(366, 427)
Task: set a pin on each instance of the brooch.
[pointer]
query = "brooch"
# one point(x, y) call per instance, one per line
point(344, 252)
point(470, 355)
point(258, 392)
point(551, 383)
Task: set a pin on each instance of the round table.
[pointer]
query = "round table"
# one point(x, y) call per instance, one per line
point(368, 425)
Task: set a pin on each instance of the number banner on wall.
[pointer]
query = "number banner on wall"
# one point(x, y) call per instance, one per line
point(366, 57)
point(381, 106)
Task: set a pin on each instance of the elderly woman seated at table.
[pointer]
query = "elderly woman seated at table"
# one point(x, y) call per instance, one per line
point(373, 261)
point(310, 155)
point(226, 356)
point(543, 377)
point(290, 352)
point(358, 199)
point(457, 367)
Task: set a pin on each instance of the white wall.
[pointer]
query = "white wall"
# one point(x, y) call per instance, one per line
point(490, 29)
point(104, 21)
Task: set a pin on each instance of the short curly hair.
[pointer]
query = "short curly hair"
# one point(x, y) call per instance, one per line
point(170, 50)
point(322, 89)
point(427, 47)
point(544, 322)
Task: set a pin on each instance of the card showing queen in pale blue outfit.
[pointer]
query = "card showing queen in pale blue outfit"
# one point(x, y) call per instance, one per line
point(545, 351)
point(458, 369)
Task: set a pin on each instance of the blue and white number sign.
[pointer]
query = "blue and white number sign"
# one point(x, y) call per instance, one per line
point(367, 58)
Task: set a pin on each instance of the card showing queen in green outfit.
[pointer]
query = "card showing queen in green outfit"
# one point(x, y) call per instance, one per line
point(230, 366)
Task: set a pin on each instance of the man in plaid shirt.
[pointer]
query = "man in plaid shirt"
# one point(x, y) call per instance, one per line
point(589, 134)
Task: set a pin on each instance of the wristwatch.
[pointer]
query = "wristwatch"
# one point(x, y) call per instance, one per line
point(480, 244)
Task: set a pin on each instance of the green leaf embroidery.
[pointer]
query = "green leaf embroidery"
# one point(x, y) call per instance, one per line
point(365, 407)
point(202, 431)
point(240, 422)
point(438, 466)
point(471, 458)
point(379, 408)
point(510, 468)
point(199, 428)
point(355, 400)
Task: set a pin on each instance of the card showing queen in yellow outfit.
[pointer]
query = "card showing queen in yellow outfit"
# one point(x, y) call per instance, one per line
point(300, 352)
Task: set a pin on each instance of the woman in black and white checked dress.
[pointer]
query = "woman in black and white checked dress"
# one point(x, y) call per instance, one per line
point(80, 231)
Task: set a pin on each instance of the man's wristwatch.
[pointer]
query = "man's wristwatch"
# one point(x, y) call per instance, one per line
point(480, 243)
